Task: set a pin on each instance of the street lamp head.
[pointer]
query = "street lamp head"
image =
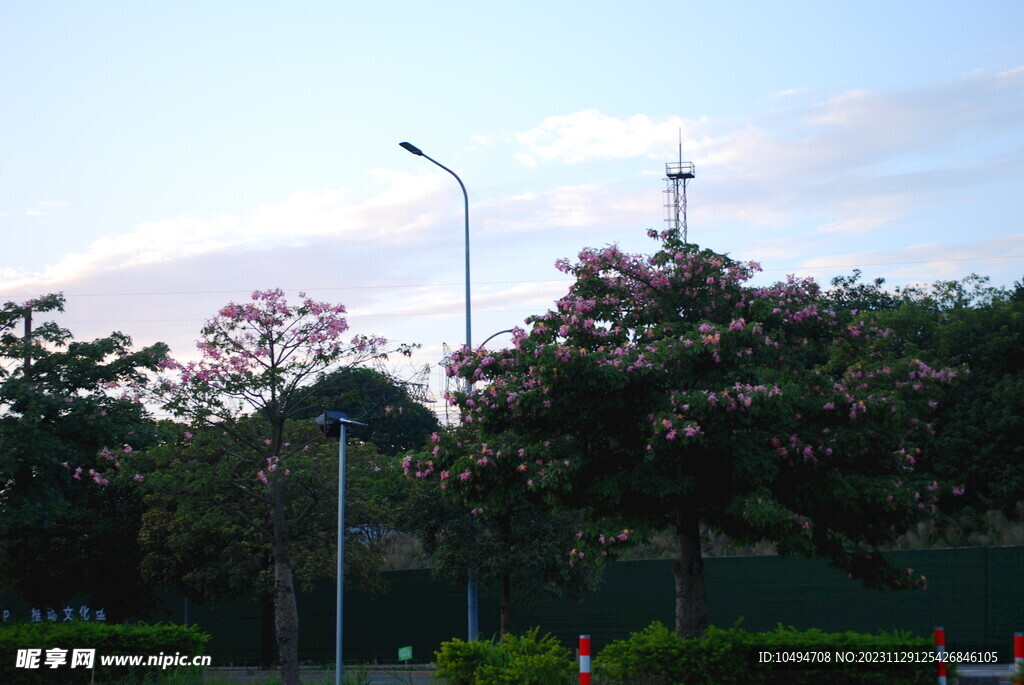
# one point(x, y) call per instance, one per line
point(330, 423)
point(412, 148)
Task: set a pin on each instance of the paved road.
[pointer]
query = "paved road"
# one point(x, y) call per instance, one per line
point(379, 675)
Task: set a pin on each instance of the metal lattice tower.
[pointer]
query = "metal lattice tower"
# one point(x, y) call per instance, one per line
point(449, 383)
point(676, 176)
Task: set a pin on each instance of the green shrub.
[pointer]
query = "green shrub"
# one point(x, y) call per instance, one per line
point(457, 661)
point(654, 656)
point(531, 669)
point(513, 660)
point(657, 656)
point(106, 638)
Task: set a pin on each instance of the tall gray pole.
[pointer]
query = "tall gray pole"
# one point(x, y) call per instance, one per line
point(472, 588)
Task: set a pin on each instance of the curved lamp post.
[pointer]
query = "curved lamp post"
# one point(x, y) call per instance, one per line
point(465, 198)
point(471, 592)
point(333, 424)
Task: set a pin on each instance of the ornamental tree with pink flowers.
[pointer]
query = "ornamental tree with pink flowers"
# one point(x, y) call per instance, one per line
point(664, 390)
point(258, 362)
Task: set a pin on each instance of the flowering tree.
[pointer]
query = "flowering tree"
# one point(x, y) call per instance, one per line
point(965, 322)
point(259, 360)
point(664, 391)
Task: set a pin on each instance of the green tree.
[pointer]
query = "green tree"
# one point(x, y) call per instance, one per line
point(59, 534)
point(393, 409)
point(979, 420)
point(507, 537)
point(198, 536)
point(663, 390)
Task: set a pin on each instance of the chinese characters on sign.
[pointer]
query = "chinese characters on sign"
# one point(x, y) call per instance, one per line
point(82, 613)
point(53, 658)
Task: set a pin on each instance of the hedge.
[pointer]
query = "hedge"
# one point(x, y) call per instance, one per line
point(657, 656)
point(129, 639)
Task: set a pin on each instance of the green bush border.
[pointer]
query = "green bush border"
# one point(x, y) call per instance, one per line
point(512, 660)
point(657, 656)
point(108, 639)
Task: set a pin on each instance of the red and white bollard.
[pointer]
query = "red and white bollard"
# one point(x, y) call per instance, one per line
point(584, 660)
point(940, 653)
point(1018, 656)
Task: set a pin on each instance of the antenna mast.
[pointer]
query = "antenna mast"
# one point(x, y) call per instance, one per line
point(676, 176)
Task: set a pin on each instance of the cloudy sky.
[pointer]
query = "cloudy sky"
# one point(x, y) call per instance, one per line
point(161, 159)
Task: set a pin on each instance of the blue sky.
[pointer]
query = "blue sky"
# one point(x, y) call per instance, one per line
point(161, 159)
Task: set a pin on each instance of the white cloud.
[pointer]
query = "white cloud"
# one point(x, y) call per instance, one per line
point(567, 207)
point(926, 262)
point(858, 125)
point(820, 177)
point(851, 163)
point(405, 206)
point(589, 135)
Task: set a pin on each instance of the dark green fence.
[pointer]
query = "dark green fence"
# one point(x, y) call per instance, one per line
point(977, 594)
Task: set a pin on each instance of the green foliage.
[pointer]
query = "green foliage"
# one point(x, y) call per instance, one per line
point(457, 661)
point(979, 420)
point(58, 413)
point(657, 656)
point(653, 656)
point(513, 660)
point(393, 410)
point(527, 545)
point(202, 539)
point(848, 293)
point(108, 639)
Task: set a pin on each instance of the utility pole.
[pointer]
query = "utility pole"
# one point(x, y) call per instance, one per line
point(27, 340)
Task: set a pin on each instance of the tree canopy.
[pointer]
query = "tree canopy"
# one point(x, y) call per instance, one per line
point(664, 391)
point(60, 412)
point(979, 420)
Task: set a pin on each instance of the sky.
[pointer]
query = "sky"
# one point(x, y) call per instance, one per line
point(161, 159)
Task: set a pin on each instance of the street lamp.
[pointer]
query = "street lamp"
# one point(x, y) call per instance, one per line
point(471, 591)
point(333, 424)
point(465, 197)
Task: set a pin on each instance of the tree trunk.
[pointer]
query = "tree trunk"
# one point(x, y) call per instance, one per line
point(505, 527)
point(286, 611)
point(506, 602)
point(267, 634)
point(688, 569)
